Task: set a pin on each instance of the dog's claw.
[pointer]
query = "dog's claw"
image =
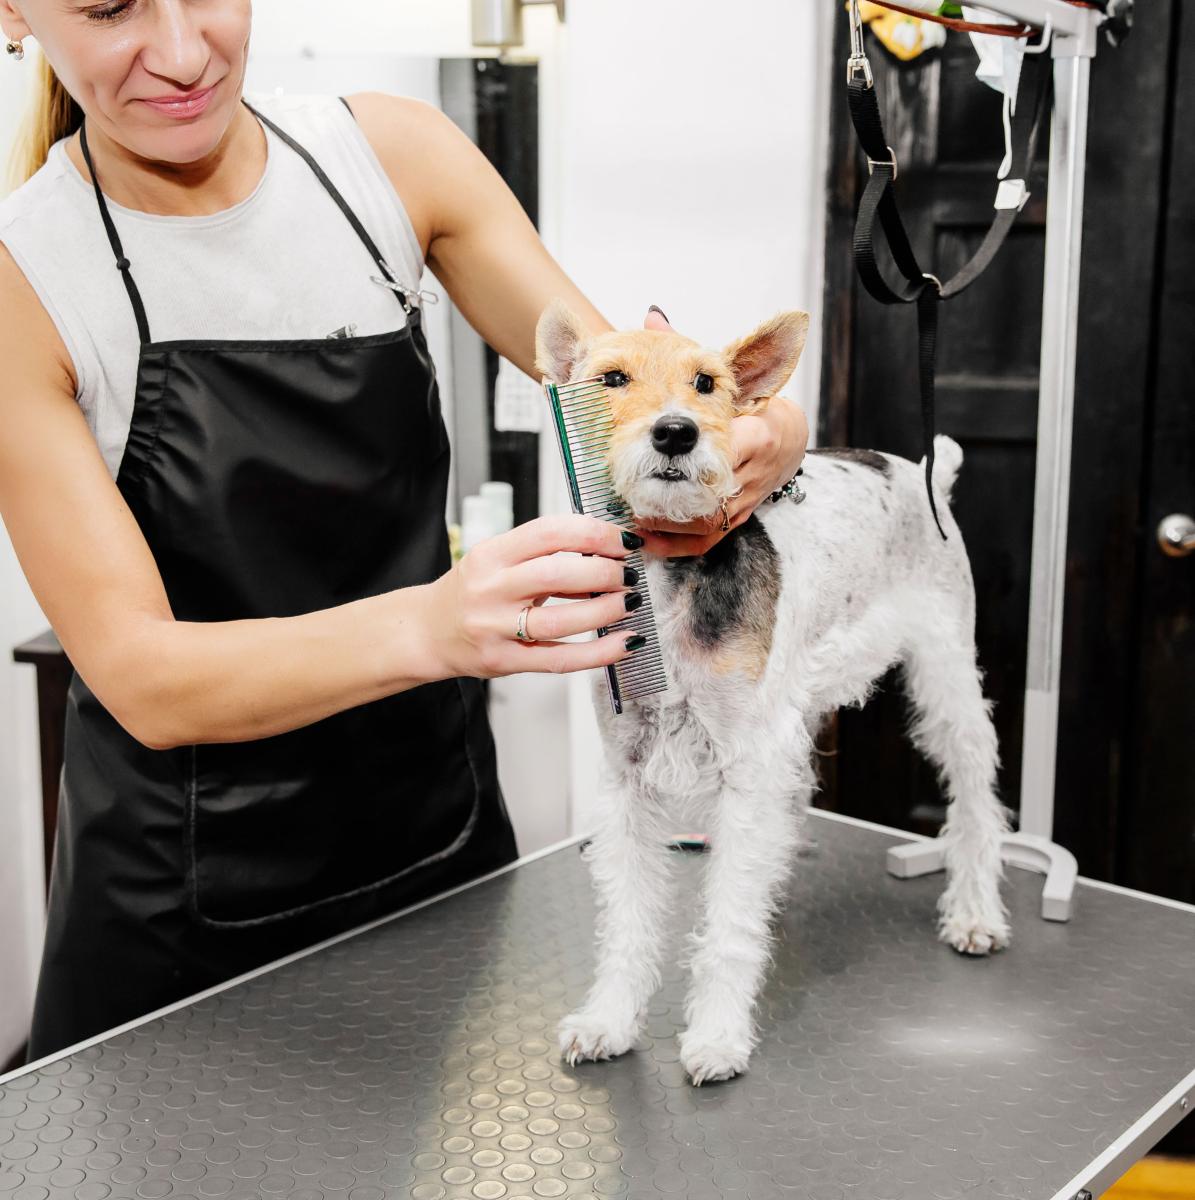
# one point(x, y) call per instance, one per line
point(585, 1038)
point(708, 1063)
point(977, 938)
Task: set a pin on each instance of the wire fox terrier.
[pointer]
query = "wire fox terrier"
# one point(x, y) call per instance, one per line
point(794, 613)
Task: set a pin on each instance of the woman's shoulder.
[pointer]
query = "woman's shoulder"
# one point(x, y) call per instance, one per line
point(44, 225)
point(298, 109)
point(45, 191)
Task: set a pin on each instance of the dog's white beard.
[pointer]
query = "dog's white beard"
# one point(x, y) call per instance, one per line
point(709, 479)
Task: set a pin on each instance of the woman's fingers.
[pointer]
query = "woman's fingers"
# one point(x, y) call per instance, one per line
point(554, 621)
point(695, 528)
point(680, 545)
point(672, 539)
point(568, 574)
point(566, 531)
point(574, 656)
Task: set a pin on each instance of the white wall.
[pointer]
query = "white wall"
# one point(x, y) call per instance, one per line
point(21, 875)
point(692, 175)
point(683, 165)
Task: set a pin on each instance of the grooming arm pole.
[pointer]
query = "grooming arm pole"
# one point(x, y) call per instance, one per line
point(1055, 419)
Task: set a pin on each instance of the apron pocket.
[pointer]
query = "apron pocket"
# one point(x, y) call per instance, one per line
point(278, 826)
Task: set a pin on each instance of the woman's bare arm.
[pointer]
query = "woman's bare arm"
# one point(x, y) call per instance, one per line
point(474, 234)
point(89, 566)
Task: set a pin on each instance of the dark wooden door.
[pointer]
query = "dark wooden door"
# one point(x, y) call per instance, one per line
point(1125, 789)
point(1156, 833)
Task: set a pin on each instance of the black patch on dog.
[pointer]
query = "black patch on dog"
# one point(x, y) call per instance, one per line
point(865, 458)
point(734, 587)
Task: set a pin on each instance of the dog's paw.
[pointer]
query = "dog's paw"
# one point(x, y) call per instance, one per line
point(709, 1060)
point(969, 934)
point(586, 1036)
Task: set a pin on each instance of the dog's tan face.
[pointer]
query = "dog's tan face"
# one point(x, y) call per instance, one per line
point(672, 402)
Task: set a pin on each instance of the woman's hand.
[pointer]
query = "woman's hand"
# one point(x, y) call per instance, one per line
point(474, 609)
point(768, 449)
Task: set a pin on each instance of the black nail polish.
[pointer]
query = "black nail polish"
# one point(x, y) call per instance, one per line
point(634, 643)
point(632, 541)
point(657, 308)
point(632, 600)
point(630, 577)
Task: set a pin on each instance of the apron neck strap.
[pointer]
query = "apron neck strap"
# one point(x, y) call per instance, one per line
point(341, 203)
point(122, 263)
point(124, 266)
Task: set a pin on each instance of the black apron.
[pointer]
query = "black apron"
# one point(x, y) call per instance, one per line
point(270, 479)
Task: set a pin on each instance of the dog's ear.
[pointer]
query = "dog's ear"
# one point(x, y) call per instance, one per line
point(560, 341)
point(763, 361)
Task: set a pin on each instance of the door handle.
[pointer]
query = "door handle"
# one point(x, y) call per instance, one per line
point(1176, 535)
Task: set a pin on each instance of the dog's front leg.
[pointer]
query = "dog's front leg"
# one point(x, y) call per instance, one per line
point(628, 861)
point(754, 835)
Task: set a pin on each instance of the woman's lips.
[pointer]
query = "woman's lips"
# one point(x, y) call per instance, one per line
point(190, 106)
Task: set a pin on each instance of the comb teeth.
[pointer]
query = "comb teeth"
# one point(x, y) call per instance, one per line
point(581, 415)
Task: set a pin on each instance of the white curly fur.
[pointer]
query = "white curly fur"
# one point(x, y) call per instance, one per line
point(866, 582)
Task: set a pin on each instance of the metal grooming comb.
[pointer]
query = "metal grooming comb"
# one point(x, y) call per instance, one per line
point(582, 419)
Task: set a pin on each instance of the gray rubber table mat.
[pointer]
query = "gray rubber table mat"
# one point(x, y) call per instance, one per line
point(418, 1059)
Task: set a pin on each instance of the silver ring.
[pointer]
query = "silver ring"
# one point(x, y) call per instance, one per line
point(521, 632)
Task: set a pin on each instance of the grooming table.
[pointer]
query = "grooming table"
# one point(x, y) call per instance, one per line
point(416, 1058)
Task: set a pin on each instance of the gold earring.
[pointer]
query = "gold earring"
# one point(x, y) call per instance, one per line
point(15, 49)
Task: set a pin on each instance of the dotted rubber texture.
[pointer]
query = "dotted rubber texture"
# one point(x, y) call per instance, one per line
point(418, 1059)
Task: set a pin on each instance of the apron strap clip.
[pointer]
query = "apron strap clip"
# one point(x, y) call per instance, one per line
point(411, 299)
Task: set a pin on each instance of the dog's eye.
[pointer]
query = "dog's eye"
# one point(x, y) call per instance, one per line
point(704, 383)
point(615, 379)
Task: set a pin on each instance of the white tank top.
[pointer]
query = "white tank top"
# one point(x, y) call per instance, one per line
point(283, 263)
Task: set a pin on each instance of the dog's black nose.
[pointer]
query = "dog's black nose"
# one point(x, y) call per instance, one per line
point(673, 435)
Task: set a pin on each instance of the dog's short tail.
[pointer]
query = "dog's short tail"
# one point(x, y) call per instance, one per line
point(948, 457)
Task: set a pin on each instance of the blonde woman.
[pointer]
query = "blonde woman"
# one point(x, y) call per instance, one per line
point(224, 470)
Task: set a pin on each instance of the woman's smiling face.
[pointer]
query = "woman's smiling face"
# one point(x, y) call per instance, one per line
point(125, 61)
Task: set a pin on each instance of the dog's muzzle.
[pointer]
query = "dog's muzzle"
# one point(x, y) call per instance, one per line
point(674, 435)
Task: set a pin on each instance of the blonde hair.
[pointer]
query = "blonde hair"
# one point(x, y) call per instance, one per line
point(52, 114)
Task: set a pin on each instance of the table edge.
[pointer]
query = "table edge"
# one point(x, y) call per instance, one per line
point(274, 964)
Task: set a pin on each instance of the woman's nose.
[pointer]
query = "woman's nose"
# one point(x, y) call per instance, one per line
point(673, 435)
point(178, 51)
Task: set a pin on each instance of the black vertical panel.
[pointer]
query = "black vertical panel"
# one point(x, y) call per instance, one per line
point(1156, 827)
point(507, 96)
point(1131, 93)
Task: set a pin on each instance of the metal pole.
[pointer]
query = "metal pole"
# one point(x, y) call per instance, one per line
point(1055, 413)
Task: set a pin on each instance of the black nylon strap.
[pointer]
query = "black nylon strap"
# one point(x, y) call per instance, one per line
point(341, 203)
point(878, 200)
point(927, 344)
point(122, 263)
point(1025, 125)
